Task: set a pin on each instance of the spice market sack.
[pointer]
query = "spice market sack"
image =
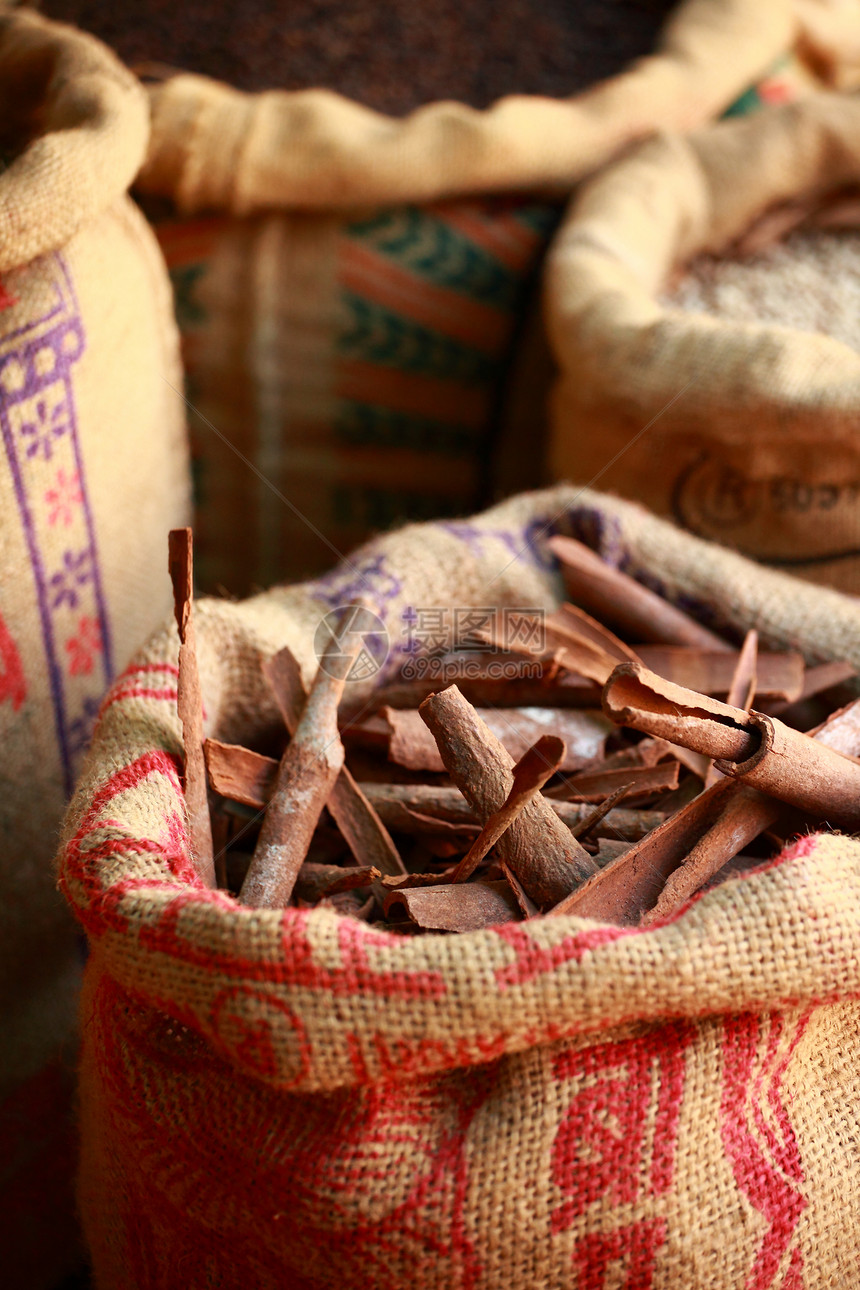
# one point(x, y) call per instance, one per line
point(353, 351)
point(290, 1097)
point(93, 471)
point(739, 423)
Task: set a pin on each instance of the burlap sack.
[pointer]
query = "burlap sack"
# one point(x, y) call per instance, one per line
point(93, 471)
point(741, 431)
point(214, 148)
point(277, 1099)
point(371, 369)
point(353, 367)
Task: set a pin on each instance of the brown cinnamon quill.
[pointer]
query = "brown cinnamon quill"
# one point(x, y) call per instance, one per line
point(306, 775)
point(545, 857)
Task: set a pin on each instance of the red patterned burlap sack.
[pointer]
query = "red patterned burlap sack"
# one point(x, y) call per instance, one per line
point(93, 470)
point(293, 1099)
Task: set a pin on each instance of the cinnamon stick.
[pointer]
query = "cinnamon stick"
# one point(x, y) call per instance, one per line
point(529, 776)
point(617, 598)
point(316, 881)
point(630, 885)
point(366, 835)
point(189, 703)
point(779, 677)
point(545, 857)
point(306, 775)
point(757, 749)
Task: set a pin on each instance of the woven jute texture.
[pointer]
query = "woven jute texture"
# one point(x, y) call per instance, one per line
point(93, 471)
point(741, 431)
point(290, 1098)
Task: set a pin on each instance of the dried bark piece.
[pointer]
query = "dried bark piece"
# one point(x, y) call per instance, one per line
point(575, 652)
point(466, 907)
point(617, 598)
point(410, 743)
point(189, 703)
point(816, 680)
point(604, 812)
point(238, 773)
point(366, 835)
point(570, 619)
point(759, 750)
point(316, 881)
point(630, 885)
point(306, 775)
point(548, 861)
point(596, 785)
point(529, 776)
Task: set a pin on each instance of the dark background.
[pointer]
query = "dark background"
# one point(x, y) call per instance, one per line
point(392, 55)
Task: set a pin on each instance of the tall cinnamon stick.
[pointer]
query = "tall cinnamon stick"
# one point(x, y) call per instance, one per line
point(306, 775)
point(545, 857)
point(189, 702)
point(365, 834)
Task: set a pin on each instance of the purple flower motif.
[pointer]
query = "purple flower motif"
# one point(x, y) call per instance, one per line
point(47, 423)
point(77, 570)
point(81, 729)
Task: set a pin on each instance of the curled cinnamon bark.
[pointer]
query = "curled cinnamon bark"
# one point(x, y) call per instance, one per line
point(529, 776)
point(752, 747)
point(466, 907)
point(548, 861)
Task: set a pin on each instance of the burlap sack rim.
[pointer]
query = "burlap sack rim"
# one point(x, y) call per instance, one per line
point(96, 129)
point(266, 947)
point(616, 248)
point(681, 83)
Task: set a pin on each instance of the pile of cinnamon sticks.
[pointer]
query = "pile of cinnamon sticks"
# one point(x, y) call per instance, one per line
point(642, 759)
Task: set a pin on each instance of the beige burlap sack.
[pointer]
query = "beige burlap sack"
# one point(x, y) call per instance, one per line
point(291, 1098)
point(358, 364)
point(744, 432)
point(93, 471)
point(214, 148)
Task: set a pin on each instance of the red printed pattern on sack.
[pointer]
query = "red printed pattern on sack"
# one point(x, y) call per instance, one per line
point(601, 1152)
point(765, 1160)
